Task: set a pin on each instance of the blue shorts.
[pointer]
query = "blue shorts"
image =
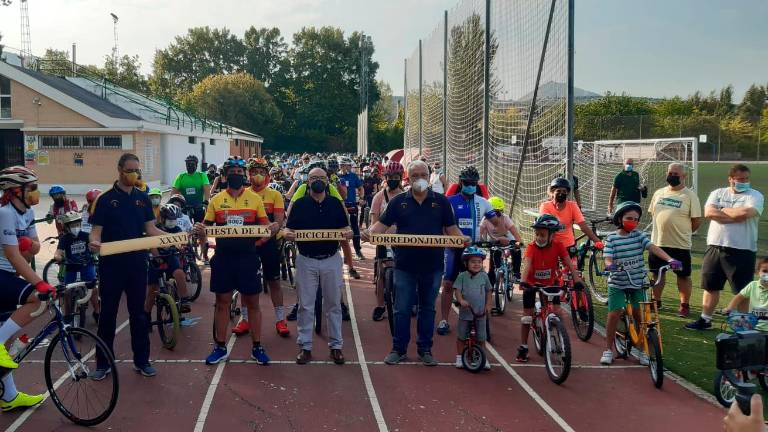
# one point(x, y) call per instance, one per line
point(14, 291)
point(240, 271)
point(87, 274)
point(154, 274)
point(452, 264)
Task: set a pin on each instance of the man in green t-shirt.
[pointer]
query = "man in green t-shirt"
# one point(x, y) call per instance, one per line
point(626, 186)
point(194, 187)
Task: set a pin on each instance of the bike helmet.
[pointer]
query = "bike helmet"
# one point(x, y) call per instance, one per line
point(469, 173)
point(92, 194)
point(56, 189)
point(623, 208)
point(275, 172)
point(16, 176)
point(170, 211)
point(177, 198)
point(69, 217)
point(155, 191)
point(317, 164)
point(278, 187)
point(366, 169)
point(333, 164)
point(547, 221)
point(233, 162)
point(560, 182)
point(345, 161)
point(191, 158)
point(254, 163)
point(393, 168)
point(472, 251)
point(497, 203)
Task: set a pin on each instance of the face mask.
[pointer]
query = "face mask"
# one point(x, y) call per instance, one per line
point(541, 243)
point(393, 184)
point(170, 223)
point(764, 278)
point(131, 178)
point(317, 186)
point(235, 181)
point(191, 168)
point(33, 198)
point(257, 180)
point(468, 190)
point(628, 168)
point(366, 175)
point(304, 177)
point(741, 187)
point(673, 180)
point(59, 201)
point(420, 185)
point(155, 201)
point(629, 226)
point(560, 197)
point(74, 230)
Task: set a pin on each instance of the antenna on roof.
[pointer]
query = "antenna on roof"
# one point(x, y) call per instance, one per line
point(26, 38)
point(114, 49)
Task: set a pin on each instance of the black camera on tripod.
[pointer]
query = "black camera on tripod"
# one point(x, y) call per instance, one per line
point(742, 351)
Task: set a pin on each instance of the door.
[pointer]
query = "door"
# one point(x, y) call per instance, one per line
point(203, 162)
point(11, 147)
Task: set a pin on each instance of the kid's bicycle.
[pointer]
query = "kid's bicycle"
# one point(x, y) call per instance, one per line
point(549, 332)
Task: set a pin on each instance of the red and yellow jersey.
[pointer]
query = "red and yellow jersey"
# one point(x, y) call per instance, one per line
point(245, 209)
point(274, 203)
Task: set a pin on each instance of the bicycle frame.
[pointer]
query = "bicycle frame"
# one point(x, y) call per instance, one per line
point(649, 314)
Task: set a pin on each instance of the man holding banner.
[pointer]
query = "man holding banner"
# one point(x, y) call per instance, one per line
point(424, 214)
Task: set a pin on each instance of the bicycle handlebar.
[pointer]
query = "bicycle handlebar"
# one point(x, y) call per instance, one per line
point(497, 244)
point(621, 268)
point(45, 298)
point(599, 221)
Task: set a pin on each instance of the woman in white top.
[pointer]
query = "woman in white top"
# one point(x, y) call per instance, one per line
point(437, 179)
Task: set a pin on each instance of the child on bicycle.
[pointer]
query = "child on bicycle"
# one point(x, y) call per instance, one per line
point(75, 256)
point(496, 226)
point(472, 290)
point(624, 251)
point(753, 298)
point(542, 267)
point(165, 257)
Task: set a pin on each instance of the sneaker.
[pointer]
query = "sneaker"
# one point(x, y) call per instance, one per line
point(337, 356)
point(293, 313)
point(5, 359)
point(360, 255)
point(282, 328)
point(522, 354)
point(260, 355)
point(219, 354)
point(427, 359)
point(699, 325)
point(22, 400)
point(378, 313)
point(353, 273)
point(243, 327)
point(304, 357)
point(394, 358)
point(459, 364)
point(146, 370)
point(443, 328)
point(640, 356)
point(99, 374)
point(684, 310)
point(607, 358)
point(344, 312)
point(487, 365)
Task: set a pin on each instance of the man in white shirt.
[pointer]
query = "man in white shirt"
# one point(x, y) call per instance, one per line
point(734, 214)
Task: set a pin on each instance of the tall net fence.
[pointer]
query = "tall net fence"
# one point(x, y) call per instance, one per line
point(412, 102)
point(433, 95)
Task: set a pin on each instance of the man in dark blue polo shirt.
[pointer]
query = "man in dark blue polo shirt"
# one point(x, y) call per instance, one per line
point(123, 213)
point(418, 270)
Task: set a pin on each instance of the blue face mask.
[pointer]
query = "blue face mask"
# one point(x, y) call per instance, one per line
point(468, 190)
point(741, 187)
point(628, 168)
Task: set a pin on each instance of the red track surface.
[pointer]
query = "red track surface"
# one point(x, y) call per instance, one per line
point(408, 397)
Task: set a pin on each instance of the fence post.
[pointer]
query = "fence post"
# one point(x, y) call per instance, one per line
point(569, 123)
point(405, 104)
point(486, 89)
point(421, 101)
point(445, 92)
point(759, 138)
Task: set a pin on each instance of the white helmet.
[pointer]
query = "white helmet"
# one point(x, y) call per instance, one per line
point(16, 176)
point(70, 216)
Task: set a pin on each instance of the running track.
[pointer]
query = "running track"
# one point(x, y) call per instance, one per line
point(365, 394)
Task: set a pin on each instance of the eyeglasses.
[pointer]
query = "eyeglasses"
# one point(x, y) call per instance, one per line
point(132, 170)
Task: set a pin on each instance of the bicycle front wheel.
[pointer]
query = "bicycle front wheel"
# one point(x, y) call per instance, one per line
point(473, 358)
point(51, 272)
point(538, 334)
point(582, 313)
point(168, 325)
point(557, 352)
point(499, 296)
point(194, 281)
point(655, 360)
point(598, 281)
point(70, 361)
point(623, 340)
point(725, 391)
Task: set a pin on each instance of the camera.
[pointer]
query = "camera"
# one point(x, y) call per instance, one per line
point(743, 351)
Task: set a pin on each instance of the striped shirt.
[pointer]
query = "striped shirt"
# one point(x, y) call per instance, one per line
point(627, 252)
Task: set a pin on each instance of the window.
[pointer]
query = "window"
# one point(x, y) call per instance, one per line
point(74, 141)
point(70, 141)
point(92, 141)
point(5, 98)
point(49, 142)
point(113, 142)
point(213, 141)
point(191, 140)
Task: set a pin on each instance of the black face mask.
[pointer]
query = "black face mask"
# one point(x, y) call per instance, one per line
point(317, 186)
point(235, 181)
point(673, 180)
point(393, 184)
point(191, 168)
point(560, 197)
point(59, 201)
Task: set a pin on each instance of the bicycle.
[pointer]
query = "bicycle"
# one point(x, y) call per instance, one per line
point(188, 261)
point(725, 381)
point(384, 268)
point(588, 254)
point(549, 334)
point(647, 334)
point(579, 300)
point(53, 272)
point(77, 348)
point(505, 277)
point(288, 260)
point(167, 306)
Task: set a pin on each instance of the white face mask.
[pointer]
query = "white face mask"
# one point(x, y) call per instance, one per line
point(75, 231)
point(420, 185)
point(170, 223)
point(155, 201)
point(764, 278)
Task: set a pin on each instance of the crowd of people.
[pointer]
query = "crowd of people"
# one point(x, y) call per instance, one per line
point(361, 196)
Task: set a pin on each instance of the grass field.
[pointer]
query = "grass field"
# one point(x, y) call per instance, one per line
point(687, 353)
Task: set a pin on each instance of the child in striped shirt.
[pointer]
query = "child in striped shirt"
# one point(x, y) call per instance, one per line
point(624, 251)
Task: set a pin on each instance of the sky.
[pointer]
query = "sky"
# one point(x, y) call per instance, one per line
point(653, 48)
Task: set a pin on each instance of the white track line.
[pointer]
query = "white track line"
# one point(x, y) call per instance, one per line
point(203, 415)
point(26, 414)
point(377, 413)
point(531, 392)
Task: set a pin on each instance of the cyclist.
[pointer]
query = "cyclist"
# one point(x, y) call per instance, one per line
point(61, 205)
point(169, 215)
point(625, 248)
point(437, 179)
point(155, 197)
point(496, 226)
point(73, 252)
point(455, 188)
point(352, 201)
point(235, 265)
point(568, 213)
point(90, 198)
point(20, 283)
point(211, 173)
point(469, 209)
point(183, 221)
point(393, 173)
point(371, 186)
point(473, 292)
point(542, 267)
point(269, 252)
point(194, 186)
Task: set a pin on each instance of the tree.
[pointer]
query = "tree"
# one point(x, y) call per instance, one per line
point(725, 103)
point(383, 111)
point(125, 73)
point(265, 51)
point(56, 62)
point(753, 103)
point(238, 100)
point(191, 58)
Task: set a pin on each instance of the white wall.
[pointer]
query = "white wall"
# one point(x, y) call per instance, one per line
point(176, 148)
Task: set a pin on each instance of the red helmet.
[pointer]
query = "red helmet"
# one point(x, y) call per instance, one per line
point(393, 168)
point(92, 194)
